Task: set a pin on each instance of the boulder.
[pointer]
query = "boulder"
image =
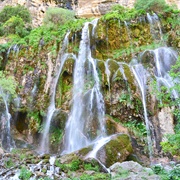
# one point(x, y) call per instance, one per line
point(132, 171)
point(116, 150)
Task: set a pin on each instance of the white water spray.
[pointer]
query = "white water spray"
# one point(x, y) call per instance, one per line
point(86, 120)
point(44, 146)
point(141, 77)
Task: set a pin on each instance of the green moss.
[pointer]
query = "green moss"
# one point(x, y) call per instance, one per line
point(117, 149)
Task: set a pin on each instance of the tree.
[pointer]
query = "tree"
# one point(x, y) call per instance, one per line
point(56, 17)
point(156, 6)
point(18, 11)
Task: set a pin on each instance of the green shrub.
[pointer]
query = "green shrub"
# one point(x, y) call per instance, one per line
point(13, 24)
point(90, 167)
point(121, 13)
point(175, 174)
point(9, 11)
point(8, 84)
point(25, 174)
point(157, 6)
point(172, 144)
point(56, 17)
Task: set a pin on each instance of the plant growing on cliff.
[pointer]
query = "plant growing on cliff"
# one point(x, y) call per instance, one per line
point(172, 143)
point(157, 6)
point(7, 85)
point(121, 13)
point(18, 11)
point(15, 25)
point(14, 20)
point(56, 17)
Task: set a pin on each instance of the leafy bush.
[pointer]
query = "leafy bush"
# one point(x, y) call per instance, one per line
point(25, 174)
point(7, 85)
point(157, 6)
point(9, 11)
point(12, 25)
point(121, 13)
point(173, 174)
point(56, 17)
point(13, 20)
point(172, 144)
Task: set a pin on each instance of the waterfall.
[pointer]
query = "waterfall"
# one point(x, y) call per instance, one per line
point(108, 73)
point(86, 120)
point(154, 26)
point(129, 34)
point(141, 76)
point(7, 140)
point(44, 146)
point(164, 58)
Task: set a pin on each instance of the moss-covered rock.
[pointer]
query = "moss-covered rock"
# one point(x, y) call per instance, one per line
point(116, 150)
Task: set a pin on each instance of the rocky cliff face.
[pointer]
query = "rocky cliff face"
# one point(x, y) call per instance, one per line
point(91, 8)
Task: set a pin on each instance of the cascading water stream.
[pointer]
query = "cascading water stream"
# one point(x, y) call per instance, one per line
point(108, 73)
point(141, 77)
point(88, 103)
point(7, 140)
point(129, 34)
point(44, 146)
point(164, 58)
point(154, 24)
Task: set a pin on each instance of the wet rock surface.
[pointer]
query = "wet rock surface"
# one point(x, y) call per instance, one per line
point(25, 164)
point(116, 150)
point(132, 171)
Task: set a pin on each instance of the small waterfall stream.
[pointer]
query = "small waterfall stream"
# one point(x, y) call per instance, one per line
point(164, 58)
point(44, 146)
point(88, 104)
point(141, 76)
point(155, 27)
point(7, 140)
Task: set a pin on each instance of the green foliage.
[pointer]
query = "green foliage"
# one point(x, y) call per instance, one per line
point(15, 25)
point(125, 98)
point(7, 85)
point(138, 128)
point(18, 11)
point(56, 17)
point(74, 166)
point(13, 20)
point(34, 120)
point(97, 176)
point(173, 174)
point(90, 167)
point(122, 173)
point(157, 6)
point(121, 13)
point(25, 174)
point(9, 163)
point(56, 135)
point(172, 144)
point(120, 52)
point(164, 95)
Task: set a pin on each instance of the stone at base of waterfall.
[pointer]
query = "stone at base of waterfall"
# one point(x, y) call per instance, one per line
point(132, 171)
point(116, 150)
